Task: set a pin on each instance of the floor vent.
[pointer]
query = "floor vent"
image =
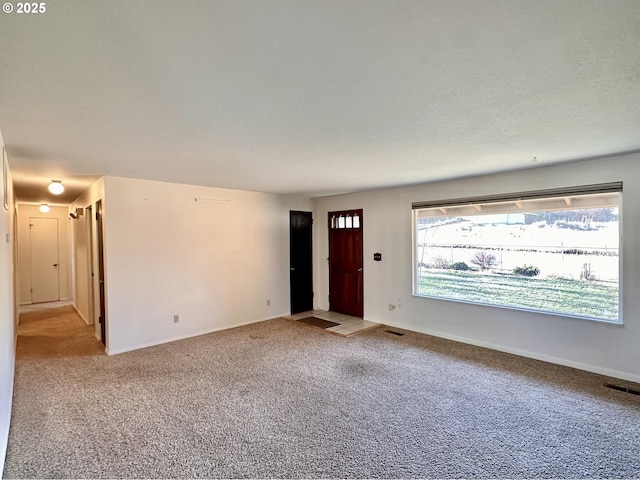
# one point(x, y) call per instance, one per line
point(622, 389)
point(394, 333)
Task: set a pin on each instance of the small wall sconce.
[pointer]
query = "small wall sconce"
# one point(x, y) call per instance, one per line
point(56, 187)
point(44, 208)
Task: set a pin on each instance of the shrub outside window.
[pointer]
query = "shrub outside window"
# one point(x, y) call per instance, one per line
point(552, 251)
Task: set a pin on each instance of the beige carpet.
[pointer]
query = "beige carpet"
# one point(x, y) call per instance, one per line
point(278, 399)
point(56, 332)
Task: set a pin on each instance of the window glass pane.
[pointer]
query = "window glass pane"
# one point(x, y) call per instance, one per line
point(356, 221)
point(556, 255)
point(349, 221)
point(340, 221)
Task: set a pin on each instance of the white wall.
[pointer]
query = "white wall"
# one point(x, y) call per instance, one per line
point(594, 346)
point(85, 287)
point(7, 312)
point(81, 261)
point(25, 213)
point(214, 262)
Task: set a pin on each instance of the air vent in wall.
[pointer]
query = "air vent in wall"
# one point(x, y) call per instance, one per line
point(394, 333)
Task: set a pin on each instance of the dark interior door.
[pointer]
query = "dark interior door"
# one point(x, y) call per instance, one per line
point(345, 262)
point(99, 241)
point(301, 261)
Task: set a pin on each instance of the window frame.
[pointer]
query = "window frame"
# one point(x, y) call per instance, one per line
point(515, 198)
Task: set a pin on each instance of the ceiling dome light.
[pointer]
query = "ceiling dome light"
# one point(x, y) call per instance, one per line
point(44, 208)
point(56, 187)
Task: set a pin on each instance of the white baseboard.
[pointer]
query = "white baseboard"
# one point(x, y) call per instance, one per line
point(188, 335)
point(80, 314)
point(522, 353)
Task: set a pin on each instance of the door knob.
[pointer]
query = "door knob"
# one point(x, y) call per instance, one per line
point(292, 269)
point(360, 269)
point(55, 264)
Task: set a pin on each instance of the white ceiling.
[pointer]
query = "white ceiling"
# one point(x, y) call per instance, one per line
point(314, 97)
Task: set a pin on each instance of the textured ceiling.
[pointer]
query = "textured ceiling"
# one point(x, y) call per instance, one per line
point(314, 97)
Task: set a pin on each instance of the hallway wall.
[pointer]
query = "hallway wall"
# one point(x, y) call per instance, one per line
point(7, 309)
point(85, 287)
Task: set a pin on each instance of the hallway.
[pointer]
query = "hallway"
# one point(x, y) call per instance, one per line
point(50, 330)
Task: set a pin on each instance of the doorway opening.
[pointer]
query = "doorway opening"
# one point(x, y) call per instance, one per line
point(101, 293)
point(301, 261)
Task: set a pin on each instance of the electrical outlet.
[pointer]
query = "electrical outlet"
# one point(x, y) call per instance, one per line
point(268, 302)
point(392, 307)
point(176, 318)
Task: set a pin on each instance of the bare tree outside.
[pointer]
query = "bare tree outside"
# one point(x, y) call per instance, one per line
point(484, 260)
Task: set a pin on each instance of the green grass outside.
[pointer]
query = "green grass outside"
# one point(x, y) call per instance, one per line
point(565, 296)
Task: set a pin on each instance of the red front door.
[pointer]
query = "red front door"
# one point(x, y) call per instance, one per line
point(345, 262)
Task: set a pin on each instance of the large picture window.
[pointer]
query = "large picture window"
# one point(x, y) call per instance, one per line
point(552, 251)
